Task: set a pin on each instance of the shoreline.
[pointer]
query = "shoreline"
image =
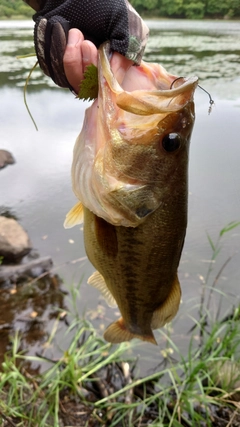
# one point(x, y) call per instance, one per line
point(145, 17)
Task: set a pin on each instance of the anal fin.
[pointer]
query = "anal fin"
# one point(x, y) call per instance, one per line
point(97, 281)
point(74, 216)
point(168, 310)
point(117, 332)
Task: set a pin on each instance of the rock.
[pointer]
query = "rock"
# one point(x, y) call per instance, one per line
point(5, 158)
point(14, 241)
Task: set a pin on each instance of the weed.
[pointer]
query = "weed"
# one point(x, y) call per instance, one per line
point(93, 383)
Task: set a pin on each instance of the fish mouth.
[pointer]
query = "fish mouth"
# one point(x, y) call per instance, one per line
point(150, 89)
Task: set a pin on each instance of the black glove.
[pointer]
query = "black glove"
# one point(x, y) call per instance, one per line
point(99, 20)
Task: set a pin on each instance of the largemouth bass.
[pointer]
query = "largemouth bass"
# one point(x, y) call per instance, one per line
point(130, 174)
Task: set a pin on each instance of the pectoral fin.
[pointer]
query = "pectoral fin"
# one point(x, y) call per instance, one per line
point(117, 332)
point(97, 281)
point(168, 310)
point(74, 216)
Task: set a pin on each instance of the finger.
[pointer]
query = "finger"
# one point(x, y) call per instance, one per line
point(89, 54)
point(72, 59)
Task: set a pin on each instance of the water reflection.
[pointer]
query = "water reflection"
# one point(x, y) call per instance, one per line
point(208, 49)
point(30, 309)
point(38, 187)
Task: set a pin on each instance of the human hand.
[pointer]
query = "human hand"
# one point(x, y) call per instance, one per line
point(113, 20)
point(80, 53)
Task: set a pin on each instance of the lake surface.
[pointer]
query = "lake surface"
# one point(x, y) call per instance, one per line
point(37, 189)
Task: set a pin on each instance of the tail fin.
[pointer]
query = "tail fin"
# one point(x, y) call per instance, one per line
point(117, 332)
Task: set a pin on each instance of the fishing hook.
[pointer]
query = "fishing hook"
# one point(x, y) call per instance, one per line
point(211, 101)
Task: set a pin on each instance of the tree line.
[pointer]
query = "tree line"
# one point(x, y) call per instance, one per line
point(190, 9)
point(14, 8)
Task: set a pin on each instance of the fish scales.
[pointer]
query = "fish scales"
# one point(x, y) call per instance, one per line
point(130, 174)
point(139, 277)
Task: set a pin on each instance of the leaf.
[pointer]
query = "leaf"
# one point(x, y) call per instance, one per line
point(25, 94)
point(89, 86)
point(176, 424)
point(229, 227)
point(29, 55)
point(211, 243)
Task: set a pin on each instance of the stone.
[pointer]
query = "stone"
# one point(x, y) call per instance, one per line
point(14, 241)
point(6, 158)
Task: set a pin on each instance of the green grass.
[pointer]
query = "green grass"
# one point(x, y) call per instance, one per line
point(183, 392)
point(93, 382)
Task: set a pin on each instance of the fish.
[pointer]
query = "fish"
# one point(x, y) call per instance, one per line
point(130, 176)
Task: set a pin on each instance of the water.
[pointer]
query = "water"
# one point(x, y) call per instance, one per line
point(38, 187)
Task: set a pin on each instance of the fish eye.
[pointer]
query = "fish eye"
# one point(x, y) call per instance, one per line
point(171, 142)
